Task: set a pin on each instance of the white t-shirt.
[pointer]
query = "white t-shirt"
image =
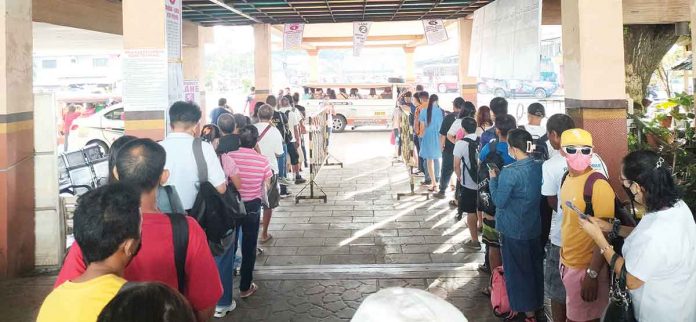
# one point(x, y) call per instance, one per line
point(456, 126)
point(271, 144)
point(538, 131)
point(661, 251)
point(552, 171)
point(294, 118)
point(481, 129)
point(181, 163)
point(461, 150)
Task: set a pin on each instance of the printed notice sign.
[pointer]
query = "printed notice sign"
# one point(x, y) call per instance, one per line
point(173, 29)
point(191, 91)
point(292, 36)
point(145, 80)
point(435, 31)
point(360, 31)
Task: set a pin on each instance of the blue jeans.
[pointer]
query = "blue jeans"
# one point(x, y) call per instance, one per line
point(250, 235)
point(238, 253)
point(283, 169)
point(437, 170)
point(225, 266)
point(447, 169)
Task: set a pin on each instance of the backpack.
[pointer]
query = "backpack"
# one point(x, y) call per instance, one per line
point(473, 159)
point(499, 297)
point(620, 212)
point(285, 117)
point(485, 202)
point(487, 136)
point(215, 212)
point(541, 150)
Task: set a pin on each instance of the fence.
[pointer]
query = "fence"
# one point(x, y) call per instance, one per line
point(318, 150)
point(409, 156)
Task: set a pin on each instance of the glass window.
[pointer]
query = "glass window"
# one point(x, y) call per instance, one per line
point(99, 62)
point(49, 64)
point(115, 115)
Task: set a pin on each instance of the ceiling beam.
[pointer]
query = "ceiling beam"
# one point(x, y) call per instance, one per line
point(365, 46)
point(369, 38)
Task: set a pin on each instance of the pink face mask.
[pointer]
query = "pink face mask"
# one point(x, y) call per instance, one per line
point(579, 161)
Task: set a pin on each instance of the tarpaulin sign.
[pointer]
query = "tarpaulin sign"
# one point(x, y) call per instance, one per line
point(360, 31)
point(292, 36)
point(435, 31)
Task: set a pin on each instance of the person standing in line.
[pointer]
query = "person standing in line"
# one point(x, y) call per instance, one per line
point(583, 270)
point(660, 252)
point(230, 135)
point(280, 121)
point(253, 175)
point(466, 168)
point(553, 170)
point(421, 102)
point(250, 104)
point(147, 302)
point(397, 114)
point(499, 107)
point(431, 121)
point(68, 120)
point(516, 192)
point(483, 119)
point(293, 117)
point(222, 108)
point(107, 226)
point(271, 143)
point(447, 148)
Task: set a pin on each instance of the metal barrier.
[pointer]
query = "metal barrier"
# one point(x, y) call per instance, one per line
point(318, 145)
point(409, 156)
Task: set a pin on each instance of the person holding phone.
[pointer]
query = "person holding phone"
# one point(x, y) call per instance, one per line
point(516, 192)
point(583, 270)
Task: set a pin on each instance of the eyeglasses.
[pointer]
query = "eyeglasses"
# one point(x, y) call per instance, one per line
point(574, 149)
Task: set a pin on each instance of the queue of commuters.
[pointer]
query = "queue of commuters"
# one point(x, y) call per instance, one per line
point(520, 188)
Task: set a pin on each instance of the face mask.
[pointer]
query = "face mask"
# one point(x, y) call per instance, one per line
point(579, 161)
point(511, 154)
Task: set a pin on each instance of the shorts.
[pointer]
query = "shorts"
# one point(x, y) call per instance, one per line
point(292, 152)
point(552, 276)
point(490, 236)
point(576, 308)
point(467, 200)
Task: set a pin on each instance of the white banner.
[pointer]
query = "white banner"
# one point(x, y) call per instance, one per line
point(360, 31)
point(173, 29)
point(435, 31)
point(145, 80)
point(292, 36)
point(191, 91)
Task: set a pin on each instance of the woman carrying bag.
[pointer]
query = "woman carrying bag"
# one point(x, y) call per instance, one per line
point(656, 277)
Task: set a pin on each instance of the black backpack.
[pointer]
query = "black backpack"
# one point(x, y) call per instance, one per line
point(218, 214)
point(485, 202)
point(473, 159)
point(283, 126)
point(620, 212)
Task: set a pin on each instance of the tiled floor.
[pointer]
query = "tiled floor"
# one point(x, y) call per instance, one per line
point(325, 258)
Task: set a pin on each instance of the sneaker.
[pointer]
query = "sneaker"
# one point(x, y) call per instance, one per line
point(284, 181)
point(472, 244)
point(300, 180)
point(426, 183)
point(285, 195)
point(484, 269)
point(458, 217)
point(439, 195)
point(221, 311)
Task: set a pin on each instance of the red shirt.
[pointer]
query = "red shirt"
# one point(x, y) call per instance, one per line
point(69, 118)
point(155, 262)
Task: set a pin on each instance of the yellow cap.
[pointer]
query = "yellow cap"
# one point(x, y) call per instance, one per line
point(576, 137)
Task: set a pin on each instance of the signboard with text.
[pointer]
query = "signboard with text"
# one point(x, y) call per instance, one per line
point(435, 31)
point(360, 31)
point(292, 36)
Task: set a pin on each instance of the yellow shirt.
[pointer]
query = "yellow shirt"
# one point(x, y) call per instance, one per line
point(577, 246)
point(80, 302)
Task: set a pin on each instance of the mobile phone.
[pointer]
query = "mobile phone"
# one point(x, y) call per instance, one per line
point(572, 206)
point(492, 167)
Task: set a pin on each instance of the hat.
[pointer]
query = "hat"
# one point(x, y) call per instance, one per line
point(576, 137)
point(536, 109)
point(398, 304)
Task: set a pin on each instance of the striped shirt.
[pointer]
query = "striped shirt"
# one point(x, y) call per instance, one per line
point(252, 168)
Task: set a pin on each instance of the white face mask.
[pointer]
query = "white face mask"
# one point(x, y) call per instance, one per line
point(511, 153)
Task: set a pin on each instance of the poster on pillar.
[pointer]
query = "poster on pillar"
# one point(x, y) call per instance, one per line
point(506, 40)
point(145, 80)
point(360, 31)
point(173, 29)
point(292, 36)
point(435, 31)
point(191, 91)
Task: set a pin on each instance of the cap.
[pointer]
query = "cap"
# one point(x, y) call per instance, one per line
point(536, 109)
point(399, 304)
point(576, 137)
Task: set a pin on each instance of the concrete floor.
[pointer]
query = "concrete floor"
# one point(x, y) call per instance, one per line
point(325, 258)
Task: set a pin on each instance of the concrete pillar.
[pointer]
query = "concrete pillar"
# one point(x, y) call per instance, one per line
point(595, 79)
point(410, 64)
point(16, 140)
point(262, 61)
point(468, 85)
point(194, 59)
point(313, 65)
point(693, 41)
point(153, 78)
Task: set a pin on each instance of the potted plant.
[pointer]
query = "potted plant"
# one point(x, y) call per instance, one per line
point(665, 120)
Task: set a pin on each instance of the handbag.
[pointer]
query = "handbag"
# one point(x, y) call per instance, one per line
point(271, 197)
point(620, 308)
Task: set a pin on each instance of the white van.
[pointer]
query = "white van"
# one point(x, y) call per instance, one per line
point(357, 107)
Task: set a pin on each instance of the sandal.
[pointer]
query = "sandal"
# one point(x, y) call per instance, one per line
point(249, 292)
point(263, 241)
point(453, 203)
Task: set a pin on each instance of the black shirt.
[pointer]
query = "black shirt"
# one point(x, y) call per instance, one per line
point(446, 124)
point(280, 120)
point(228, 143)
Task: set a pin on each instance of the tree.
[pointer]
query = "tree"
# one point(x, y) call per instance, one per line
point(644, 48)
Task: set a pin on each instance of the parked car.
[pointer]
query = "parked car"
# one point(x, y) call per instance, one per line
point(516, 88)
point(101, 128)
